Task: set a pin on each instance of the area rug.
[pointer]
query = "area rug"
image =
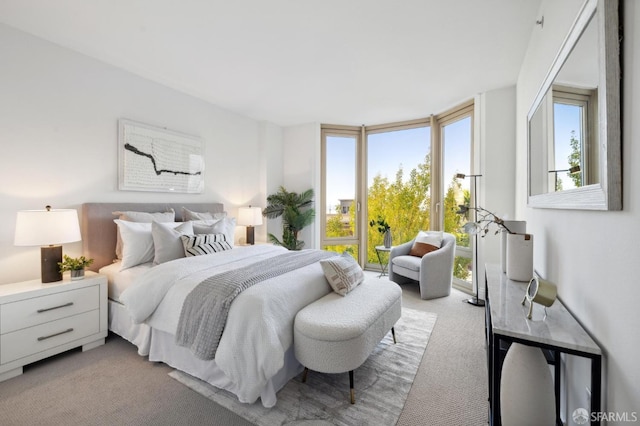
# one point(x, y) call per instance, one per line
point(381, 385)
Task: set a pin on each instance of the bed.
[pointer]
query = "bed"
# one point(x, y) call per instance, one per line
point(254, 358)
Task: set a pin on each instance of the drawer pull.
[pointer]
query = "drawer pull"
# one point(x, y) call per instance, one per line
point(55, 307)
point(68, 330)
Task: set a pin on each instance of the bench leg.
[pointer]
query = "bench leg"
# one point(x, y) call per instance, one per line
point(304, 375)
point(352, 392)
point(393, 333)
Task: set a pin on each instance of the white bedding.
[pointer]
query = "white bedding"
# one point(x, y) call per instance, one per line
point(118, 281)
point(259, 329)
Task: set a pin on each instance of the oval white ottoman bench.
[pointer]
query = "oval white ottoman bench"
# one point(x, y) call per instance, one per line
point(336, 334)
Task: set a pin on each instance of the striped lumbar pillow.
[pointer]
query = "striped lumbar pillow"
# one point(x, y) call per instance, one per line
point(197, 245)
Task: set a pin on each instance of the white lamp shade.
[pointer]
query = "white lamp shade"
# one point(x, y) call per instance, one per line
point(249, 216)
point(47, 227)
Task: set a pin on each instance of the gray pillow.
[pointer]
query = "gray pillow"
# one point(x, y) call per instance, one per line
point(191, 215)
point(166, 240)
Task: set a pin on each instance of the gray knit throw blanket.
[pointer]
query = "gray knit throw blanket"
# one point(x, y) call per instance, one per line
point(205, 310)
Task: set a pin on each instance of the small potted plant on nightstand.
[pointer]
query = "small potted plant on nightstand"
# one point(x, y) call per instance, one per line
point(75, 265)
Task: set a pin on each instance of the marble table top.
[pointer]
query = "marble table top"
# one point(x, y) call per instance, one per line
point(509, 317)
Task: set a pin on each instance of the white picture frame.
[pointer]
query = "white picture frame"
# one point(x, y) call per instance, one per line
point(156, 159)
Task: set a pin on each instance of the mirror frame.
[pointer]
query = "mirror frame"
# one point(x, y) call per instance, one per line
point(606, 195)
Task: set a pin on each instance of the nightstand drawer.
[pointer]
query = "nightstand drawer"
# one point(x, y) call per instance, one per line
point(39, 338)
point(39, 310)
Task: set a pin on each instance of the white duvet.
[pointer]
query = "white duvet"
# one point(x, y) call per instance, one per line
point(259, 328)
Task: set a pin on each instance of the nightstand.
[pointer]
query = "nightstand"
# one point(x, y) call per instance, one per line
point(40, 320)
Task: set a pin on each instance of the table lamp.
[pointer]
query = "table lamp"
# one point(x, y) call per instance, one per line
point(47, 228)
point(250, 217)
point(540, 291)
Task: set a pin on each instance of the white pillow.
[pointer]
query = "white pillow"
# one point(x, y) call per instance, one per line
point(430, 237)
point(137, 243)
point(226, 226)
point(426, 242)
point(166, 240)
point(133, 216)
point(343, 273)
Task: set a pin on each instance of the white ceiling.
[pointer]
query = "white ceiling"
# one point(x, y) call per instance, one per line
point(299, 61)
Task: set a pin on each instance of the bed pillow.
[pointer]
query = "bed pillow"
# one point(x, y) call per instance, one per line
point(426, 242)
point(167, 244)
point(133, 216)
point(191, 215)
point(137, 243)
point(343, 273)
point(198, 245)
point(226, 226)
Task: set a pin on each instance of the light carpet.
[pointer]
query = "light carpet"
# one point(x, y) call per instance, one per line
point(381, 385)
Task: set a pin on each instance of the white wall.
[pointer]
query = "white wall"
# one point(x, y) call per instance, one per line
point(271, 176)
point(591, 256)
point(58, 132)
point(301, 163)
point(496, 150)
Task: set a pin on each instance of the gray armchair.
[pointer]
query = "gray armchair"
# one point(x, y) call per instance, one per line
point(434, 271)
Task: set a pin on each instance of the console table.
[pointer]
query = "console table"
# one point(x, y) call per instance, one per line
point(557, 333)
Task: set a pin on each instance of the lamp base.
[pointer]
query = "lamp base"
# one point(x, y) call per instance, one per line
point(475, 301)
point(49, 258)
point(250, 235)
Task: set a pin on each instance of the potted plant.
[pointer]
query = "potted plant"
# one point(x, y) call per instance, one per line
point(517, 248)
point(483, 220)
point(296, 212)
point(74, 264)
point(384, 229)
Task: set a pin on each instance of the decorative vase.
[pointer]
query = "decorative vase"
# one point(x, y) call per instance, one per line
point(526, 388)
point(387, 238)
point(519, 257)
point(515, 226)
point(77, 274)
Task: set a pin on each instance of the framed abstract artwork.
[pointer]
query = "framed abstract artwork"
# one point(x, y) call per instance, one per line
point(156, 159)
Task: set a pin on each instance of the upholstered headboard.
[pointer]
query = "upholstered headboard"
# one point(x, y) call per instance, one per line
point(99, 229)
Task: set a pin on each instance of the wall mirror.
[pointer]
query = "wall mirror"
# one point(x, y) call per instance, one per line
point(574, 122)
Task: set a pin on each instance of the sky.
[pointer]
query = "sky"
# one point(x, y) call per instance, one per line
point(565, 119)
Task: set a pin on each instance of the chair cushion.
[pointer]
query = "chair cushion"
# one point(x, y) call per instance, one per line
point(409, 262)
point(407, 266)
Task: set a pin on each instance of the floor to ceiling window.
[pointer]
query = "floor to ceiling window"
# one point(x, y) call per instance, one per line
point(340, 195)
point(398, 185)
point(401, 173)
point(456, 142)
